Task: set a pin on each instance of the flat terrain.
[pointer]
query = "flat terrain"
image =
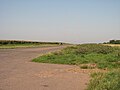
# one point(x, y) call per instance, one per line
point(17, 72)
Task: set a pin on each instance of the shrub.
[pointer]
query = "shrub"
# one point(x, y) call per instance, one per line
point(82, 50)
point(93, 48)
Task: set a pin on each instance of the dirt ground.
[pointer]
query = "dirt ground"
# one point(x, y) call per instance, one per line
point(17, 72)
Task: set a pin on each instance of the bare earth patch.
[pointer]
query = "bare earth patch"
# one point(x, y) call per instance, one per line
point(17, 72)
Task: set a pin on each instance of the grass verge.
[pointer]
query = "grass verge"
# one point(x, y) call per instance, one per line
point(12, 46)
point(90, 56)
point(100, 56)
point(105, 81)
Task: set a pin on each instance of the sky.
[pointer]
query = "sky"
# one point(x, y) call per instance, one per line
point(72, 21)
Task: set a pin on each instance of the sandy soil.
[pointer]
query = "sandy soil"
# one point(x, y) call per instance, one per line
point(17, 72)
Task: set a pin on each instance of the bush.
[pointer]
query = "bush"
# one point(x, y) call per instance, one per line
point(94, 48)
point(82, 50)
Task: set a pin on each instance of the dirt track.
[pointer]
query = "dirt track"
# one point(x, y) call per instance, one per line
point(17, 72)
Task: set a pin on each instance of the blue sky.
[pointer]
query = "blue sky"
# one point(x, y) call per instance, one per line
point(74, 21)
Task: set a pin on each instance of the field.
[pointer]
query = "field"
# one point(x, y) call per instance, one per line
point(105, 81)
point(113, 45)
point(101, 57)
point(91, 56)
point(86, 56)
point(4, 44)
point(24, 46)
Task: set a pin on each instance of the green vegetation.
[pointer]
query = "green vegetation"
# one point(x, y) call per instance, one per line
point(25, 44)
point(105, 81)
point(96, 55)
point(5, 42)
point(113, 42)
point(90, 56)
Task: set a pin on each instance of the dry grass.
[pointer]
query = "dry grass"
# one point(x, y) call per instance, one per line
point(113, 45)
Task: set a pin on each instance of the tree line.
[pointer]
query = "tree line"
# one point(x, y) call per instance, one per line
point(5, 42)
point(113, 42)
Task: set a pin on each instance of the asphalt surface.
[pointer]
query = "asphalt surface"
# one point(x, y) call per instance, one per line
point(17, 72)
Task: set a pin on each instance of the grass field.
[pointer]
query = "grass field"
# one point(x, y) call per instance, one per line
point(86, 56)
point(113, 45)
point(105, 81)
point(90, 56)
point(11, 46)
